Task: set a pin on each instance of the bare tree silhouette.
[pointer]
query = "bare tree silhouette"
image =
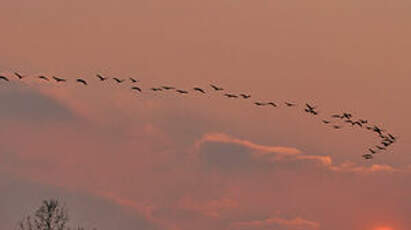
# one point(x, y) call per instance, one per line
point(51, 215)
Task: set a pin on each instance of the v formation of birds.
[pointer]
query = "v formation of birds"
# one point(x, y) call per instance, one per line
point(385, 139)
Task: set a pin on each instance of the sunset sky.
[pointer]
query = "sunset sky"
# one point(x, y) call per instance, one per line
point(162, 161)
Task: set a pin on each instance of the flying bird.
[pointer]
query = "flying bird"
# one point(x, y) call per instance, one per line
point(385, 143)
point(289, 104)
point(388, 140)
point(346, 115)
point(199, 90)
point(181, 91)
point(136, 88)
point(259, 103)
point(380, 148)
point(57, 79)
point(216, 88)
point(392, 137)
point(156, 89)
point(118, 80)
point(382, 136)
point(350, 121)
point(19, 76)
point(44, 78)
point(101, 77)
point(82, 81)
point(245, 96)
point(168, 87)
point(377, 130)
point(337, 127)
point(367, 156)
point(133, 80)
point(372, 151)
point(310, 109)
point(336, 116)
point(229, 95)
point(359, 123)
point(272, 104)
point(4, 78)
point(363, 121)
point(326, 122)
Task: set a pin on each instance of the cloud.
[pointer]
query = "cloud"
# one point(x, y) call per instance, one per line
point(278, 223)
point(219, 150)
point(260, 150)
point(212, 208)
point(31, 106)
point(352, 167)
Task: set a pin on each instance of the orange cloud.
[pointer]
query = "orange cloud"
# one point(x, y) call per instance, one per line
point(269, 153)
point(352, 167)
point(261, 150)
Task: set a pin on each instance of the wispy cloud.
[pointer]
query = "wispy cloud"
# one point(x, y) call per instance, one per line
point(275, 222)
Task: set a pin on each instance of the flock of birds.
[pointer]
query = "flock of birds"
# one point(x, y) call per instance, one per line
point(385, 139)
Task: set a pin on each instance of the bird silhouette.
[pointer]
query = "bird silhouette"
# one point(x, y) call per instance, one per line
point(229, 95)
point(156, 89)
point(310, 109)
point(168, 87)
point(380, 148)
point(363, 121)
point(245, 96)
point(289, 104)
point(259, 103)
point(57, 79)
point(199, 90)
point(386, 143)
point(44, 78)
point(392, 137)
point(372, 151)
point(350, 121)
point(118, 80)
point(337, 127)
point(382, 136)
point(346, 115)
point(389, 140)
point(19, 76)
point(133, 80)
point(216, 88)
point(182, 91)
point(359, 123)
point(82, 81)
point(4, 78)
point(101, 77)
point(326, 122)
point(136, 88)
point(272, 104)
point(336, 116)
point(377, 130)
point(367, 156)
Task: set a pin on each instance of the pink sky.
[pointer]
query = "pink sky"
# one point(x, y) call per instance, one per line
point(161, 161)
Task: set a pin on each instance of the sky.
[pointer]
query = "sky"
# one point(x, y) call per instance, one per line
point(122, 160)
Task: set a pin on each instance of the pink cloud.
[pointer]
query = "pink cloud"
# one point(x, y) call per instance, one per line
point(259, 150)
point(297, 223)
point(212, 208)
point(282, 154)
point(375, 168)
